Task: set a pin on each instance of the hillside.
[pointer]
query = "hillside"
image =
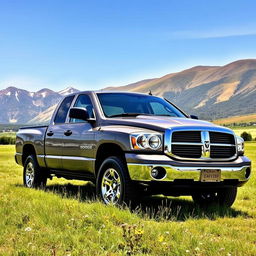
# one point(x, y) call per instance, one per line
point(210, 92)
point(20, 106)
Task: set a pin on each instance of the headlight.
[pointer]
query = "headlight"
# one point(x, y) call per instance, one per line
point(154, 142)
point(240, 145)
point(146, 141)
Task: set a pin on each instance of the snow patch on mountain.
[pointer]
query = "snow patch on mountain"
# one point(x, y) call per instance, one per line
point(16, 96)
point(67, 91)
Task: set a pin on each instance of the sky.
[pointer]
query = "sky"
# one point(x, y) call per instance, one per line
point(99, 43)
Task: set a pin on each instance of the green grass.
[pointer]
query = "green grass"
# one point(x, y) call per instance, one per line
point(7, 138)
point(65, 219)
point(11, 134)
point(250, 129)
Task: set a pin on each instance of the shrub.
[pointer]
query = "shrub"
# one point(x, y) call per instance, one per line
point(246, 136)
point(6, 140)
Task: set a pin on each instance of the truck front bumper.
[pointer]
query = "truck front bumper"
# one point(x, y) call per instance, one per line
point(140, 169)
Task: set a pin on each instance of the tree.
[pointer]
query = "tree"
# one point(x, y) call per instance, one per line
point(246, 136)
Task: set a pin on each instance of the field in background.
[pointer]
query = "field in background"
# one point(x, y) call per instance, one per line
point(7, 134)
point(250, 129)
point(65, 219)
point(236, 120)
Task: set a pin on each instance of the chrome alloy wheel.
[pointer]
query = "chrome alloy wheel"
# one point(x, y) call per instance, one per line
point(29, 174)
point(111, 186)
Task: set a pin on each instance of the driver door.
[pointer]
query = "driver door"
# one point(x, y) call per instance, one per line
point(79, 139)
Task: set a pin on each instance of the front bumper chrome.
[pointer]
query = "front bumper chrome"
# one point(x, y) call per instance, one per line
point(141, 170)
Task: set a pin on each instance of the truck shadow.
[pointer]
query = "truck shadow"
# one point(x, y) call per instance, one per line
point(153, 207)
point(176, 209)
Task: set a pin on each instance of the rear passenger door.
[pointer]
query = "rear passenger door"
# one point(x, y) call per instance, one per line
point(79, 143)
point(54, 135)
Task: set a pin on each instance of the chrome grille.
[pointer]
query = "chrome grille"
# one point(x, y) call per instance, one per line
point(222, 152)
point(201, 145)
point(186, 136)
point(187, 151)
point(222, 138)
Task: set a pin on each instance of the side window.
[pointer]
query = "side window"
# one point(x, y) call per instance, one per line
point(63, 110)
point(83, 101)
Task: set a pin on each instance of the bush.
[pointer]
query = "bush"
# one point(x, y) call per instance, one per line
point(246, 136)
point(6, 140)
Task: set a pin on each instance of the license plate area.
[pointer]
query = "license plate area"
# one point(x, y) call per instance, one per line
point(210, 175)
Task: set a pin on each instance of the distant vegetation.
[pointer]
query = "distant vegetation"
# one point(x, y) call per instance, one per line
point(10, 127)
point(251, 130)
point(7, 138)
point(246, 136)
point(245, 120)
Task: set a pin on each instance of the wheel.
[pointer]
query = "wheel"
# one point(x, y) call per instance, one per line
point(113, 184)
point(33, 176)
point(224, 197)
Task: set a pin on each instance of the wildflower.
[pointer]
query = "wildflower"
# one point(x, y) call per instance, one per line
point(160, 239)
point(197, 249)
point(187, 251)
point(28, 229)
point(138, 232)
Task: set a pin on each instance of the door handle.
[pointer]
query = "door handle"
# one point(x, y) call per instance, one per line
point(50, 133)
point(68, 132)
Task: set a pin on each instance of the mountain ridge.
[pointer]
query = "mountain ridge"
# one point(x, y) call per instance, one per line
point(211, 92)
point(13, 102)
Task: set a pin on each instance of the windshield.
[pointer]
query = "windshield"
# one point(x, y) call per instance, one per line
point(128, 104)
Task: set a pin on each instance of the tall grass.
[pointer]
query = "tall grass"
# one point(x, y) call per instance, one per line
point(7, 140)
point(66, 219)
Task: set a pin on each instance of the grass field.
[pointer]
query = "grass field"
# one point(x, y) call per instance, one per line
point(236, 119)
point(65, 219)
point(10, 134)
point(250, 129)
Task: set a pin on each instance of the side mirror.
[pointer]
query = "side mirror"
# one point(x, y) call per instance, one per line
point(193, 117)
point(79, 113)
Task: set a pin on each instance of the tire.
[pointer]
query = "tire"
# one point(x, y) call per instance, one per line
point(223, 197)
point(113, 185)
point(33, 175)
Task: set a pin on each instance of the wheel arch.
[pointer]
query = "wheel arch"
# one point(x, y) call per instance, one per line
point(106, 150)
point(28, 149)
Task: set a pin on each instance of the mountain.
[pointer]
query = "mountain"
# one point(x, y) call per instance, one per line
point(68, 91)
point(20, 106)
point(211, 92)
point(208, 91)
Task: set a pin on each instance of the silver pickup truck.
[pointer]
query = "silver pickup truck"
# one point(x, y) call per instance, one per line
point(130, 144)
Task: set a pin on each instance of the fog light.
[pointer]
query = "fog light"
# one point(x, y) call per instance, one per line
point(247, 172)
point(158, 173)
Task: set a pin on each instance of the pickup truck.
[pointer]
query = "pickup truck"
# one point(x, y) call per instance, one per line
point(131, 144)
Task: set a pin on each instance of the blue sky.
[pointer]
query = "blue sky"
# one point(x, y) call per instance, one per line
point(94, 44)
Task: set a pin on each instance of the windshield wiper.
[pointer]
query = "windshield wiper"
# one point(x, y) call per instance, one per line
point(129, 114)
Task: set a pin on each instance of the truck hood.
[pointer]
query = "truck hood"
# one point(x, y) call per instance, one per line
point(161, 123)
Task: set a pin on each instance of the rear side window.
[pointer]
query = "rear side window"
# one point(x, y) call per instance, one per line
point(63, 110)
